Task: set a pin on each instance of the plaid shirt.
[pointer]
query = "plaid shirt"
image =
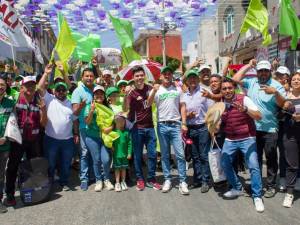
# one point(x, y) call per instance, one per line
point(28, 116)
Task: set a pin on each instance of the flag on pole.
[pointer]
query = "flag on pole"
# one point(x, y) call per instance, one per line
point(125, 35)
point(289, 23)
point(257, 18)
point(13, 30)
point(65, 44)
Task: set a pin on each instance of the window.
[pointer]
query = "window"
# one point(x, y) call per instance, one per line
point(229, 21)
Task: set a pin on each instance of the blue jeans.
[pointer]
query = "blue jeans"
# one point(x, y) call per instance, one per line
point(141, 137)
point(200, 149)
point(64, 149)
point(100, 155)
point(171, 134)
point(248, 148)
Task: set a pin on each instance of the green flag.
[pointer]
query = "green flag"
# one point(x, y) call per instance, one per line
point(257, 18)
point(125, 35)
point(85, 45)
point(65, 44)
point(124, 31)
point(289, 23)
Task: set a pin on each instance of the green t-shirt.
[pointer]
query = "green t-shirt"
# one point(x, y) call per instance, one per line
point(116, 108)
point(123, 145)
point(14, 95)
point(6, 107)
point(92, 129)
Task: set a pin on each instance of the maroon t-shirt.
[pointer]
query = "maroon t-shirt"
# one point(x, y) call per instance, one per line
point(139, 111)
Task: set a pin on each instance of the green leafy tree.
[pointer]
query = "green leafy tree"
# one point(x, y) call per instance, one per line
point(173, 63)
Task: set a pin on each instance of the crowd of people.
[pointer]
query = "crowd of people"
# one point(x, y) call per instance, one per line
point(262, 114)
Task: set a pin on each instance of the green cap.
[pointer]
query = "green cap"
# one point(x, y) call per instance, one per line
point(122, 82)
point(191, 73)
point(165, 69)
point(60, 84)
point(109, 91)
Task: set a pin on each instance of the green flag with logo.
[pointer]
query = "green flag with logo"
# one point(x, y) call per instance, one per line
point(257, 18)
point(289, 23)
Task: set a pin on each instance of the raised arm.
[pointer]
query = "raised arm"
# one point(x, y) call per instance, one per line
point(227, 64)
point(238, 77)
point(42, 83)
point(151, 96)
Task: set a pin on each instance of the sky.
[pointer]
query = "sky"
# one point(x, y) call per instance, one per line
point(189, 33)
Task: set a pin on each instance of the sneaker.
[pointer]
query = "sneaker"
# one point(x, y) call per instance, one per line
point(288, 200)
point(10, 200)
point(166, 186)
point(66, 188)
point(3, 209)
point(99, 186)
point(204, 188)
point(109, 185)
point(153, 184)
point(140, 185)
point(124, 186)
point(118, 187)
point(84, 186)
point(183, 188)
point(259, 205)
point(297, 185)
point(270, 192)
point(282, 184)
point(233, 193)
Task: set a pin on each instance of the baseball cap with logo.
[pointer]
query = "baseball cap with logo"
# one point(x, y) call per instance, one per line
point(98, 87)
point(283, 70)
point(263, 65)
point(203, 67)
point(28, 79)
point(107, 72)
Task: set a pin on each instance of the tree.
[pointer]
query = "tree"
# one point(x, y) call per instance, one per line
point(173, 63)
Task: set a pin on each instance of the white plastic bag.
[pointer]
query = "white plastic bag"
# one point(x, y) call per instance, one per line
point(12, 131)
point(214, 158)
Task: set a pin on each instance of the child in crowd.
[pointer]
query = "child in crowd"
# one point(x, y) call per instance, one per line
point(122, 150)
point(112, 95)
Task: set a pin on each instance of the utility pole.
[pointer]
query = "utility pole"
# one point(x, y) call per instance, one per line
point(164, 31)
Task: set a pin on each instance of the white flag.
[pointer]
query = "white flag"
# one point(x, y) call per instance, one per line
point(13, 30)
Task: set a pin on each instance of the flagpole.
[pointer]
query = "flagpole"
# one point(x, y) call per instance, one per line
point(13, 54)
point(236, 43)
point(278, 37)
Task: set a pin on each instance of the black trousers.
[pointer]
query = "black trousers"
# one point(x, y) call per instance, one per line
point(291, 142)
point(31, 149)
point(267, 143)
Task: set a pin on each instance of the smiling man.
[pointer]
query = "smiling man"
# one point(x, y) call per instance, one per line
point(269, 95)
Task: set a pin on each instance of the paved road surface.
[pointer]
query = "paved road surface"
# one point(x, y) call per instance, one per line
point(150, 207)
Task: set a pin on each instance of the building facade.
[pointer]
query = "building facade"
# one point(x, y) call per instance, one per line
point(190, 54)
point(230, 16)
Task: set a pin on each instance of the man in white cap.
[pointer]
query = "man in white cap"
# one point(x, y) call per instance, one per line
point(107, 79)
point(204, 74)
point(31, 115)
point(282, 76)
point(268, 94)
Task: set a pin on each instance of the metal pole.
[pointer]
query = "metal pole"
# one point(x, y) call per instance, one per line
point(163, 35)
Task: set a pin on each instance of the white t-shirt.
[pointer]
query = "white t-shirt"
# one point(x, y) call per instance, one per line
point(167, 102)
point(60, 118)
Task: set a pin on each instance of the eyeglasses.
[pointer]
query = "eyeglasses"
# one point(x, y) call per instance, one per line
point(264, 70)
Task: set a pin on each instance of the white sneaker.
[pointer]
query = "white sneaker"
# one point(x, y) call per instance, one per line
point(297, 185)
point(124, 186)
point(282, 184)
point(118, 187)
point(99, 186)
point(259, 205)
point(166, 186)
point(288, 200)
point(183, 188)
point(108, 185)
point(233, 193)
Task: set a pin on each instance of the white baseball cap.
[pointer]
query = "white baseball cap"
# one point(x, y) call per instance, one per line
point(28, 79)
point(264, 64)
point(109, 72)
point(98, 87)
point(283, 70)
point(203, 67)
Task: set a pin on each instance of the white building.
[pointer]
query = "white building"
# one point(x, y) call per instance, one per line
point(208, 42)
point(190, 54)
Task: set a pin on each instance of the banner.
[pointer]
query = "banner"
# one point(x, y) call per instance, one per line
point(13, 30)
point(108, 56)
